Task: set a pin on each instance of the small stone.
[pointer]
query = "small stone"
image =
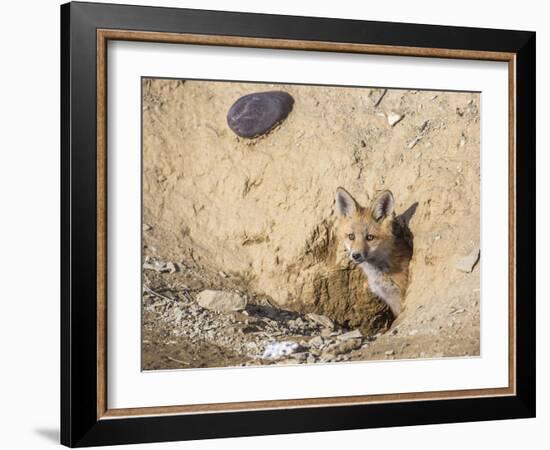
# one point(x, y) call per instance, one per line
point(147, 227)
point(221, 301)
point(300, 357)
point(468, 262)
point(255, 114)
point(350, 335)
point(178, 313)
point(326, 332)
point(297, 323)
point(159, 266)
point(150, 266)
point(317, 341)
point(390, 353)
point(341, 348)
point(315, 351)
point(170, 267)
point(321, 320)
point(394, 118)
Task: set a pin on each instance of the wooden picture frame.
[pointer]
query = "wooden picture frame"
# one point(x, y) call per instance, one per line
point(86, 418)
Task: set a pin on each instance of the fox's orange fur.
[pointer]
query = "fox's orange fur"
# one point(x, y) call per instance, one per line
point(378, 242)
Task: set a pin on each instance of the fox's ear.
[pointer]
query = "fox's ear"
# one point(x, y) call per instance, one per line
point(345, 203)
point(382, 206)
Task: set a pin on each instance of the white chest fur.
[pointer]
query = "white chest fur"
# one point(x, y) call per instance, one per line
point(382, 286)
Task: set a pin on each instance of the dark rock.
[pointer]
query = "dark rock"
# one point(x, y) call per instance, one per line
point(255, 114)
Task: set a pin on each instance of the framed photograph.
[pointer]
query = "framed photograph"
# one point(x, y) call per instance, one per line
point(276, 224)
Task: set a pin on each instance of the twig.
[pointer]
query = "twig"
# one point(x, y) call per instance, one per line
point(187, 295)
point(380, 98)
point(148, 289)
point(185, 363)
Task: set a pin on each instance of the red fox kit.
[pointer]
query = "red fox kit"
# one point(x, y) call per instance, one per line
point(378, 242)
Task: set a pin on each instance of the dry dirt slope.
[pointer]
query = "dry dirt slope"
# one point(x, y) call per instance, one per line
point(261, 211)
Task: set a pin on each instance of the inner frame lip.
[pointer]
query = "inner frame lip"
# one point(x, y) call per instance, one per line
point(106, 34)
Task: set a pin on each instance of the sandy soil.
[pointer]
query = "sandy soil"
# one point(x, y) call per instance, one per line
point(256, 217)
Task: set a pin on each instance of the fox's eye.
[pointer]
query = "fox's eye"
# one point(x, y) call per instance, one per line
point(351, 236)
point(370, 237)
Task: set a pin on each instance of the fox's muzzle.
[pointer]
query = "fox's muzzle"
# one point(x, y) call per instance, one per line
point(358, 257)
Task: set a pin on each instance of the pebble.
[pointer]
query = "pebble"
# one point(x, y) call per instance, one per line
point(160, 266)
point(317, 341)
point(321, 320)
point(394, 118)
point(255, 114)
point(350, 335)
point(468, 262)
point(326, 332)
point(342, 347)
point(326, 359)
point(170, 267)
point(300, 357)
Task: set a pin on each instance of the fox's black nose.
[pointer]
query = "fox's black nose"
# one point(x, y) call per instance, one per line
point(356, 256)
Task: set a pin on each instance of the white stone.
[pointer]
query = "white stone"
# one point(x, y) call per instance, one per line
point(221, 301)
point(467, 263)
point(394, 118)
